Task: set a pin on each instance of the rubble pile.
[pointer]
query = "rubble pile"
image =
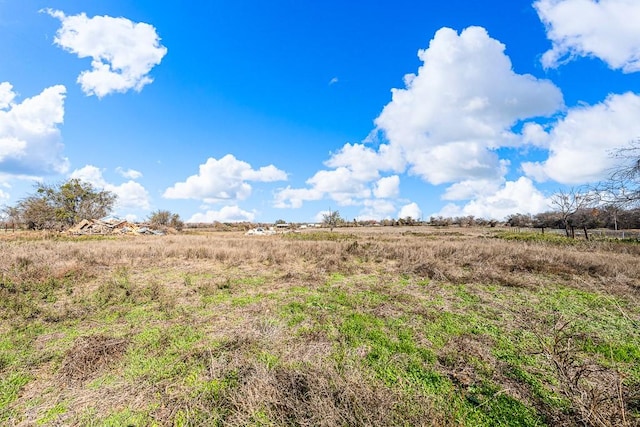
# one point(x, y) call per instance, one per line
point(260, 232)
point(111, 226)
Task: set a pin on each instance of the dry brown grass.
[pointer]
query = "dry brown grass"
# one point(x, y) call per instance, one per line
point(434, 256)
point(89, 356)
point(268, 314)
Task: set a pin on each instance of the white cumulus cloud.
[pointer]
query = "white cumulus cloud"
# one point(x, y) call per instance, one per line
point(376, 209)
point(122, 52)
point(354, 177)
point(460, 106)
point(223, 180)
point(226, 214)
point(580, 144)
point(30, 140)
point(410, 210)
point(294, 198)
point(519, 196)
point(365, 163)
point(606, 29)
point(444, 126)
point(387, 187)
point(469, 189)
point(129, 173)
point(131, 194)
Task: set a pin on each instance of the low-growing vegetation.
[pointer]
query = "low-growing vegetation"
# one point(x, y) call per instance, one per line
point(391, 326)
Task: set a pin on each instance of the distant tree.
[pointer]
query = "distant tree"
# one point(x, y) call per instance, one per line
point(407, 221)
point(622, 188)
point(332, 219)
point(629, 218)
point(440, 221)
point(547, 220)
point(464, 221)
point(10, 217)
point(280, 221)
point(610, 212)
point(586, 219)
point(519, 220)
point(36, 213)
point(62, 205)
point(77, 200)
point(568, 203)
point(164, 218)
point(160, 218)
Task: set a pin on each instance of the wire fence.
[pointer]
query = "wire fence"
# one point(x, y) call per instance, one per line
point(597, 233)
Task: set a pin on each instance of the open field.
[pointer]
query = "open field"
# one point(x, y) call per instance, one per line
point(388, 326)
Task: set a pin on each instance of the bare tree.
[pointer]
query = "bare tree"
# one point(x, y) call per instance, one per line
point(568, 202)
point(622, 188)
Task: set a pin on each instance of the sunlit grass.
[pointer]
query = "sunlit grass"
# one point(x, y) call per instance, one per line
point(386, 328)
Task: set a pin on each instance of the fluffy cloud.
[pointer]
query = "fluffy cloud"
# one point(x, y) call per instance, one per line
point(343, 185)
point(340, 184)
point(585, 138)
point(288, 197)
point(410, 210)
point(366, 163)
point(129, 173)
point(6, 95)
point(354, 178)
point(519, 196)
point(30, 141)
point(223, 180)
point(4, 195)
point(444, 126)
point(122, 52)
point(460, 106)
point(606, 29)
point(466, 190)
point(387, 187)
point(376, 209)
point(226, 214)
point(131, 194)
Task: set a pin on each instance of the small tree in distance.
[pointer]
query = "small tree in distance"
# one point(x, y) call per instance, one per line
point(164, 218)
point(568, 204)
point(331, 219)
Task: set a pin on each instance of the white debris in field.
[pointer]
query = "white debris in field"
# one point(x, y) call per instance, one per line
point(260, 231)
point(111, 226)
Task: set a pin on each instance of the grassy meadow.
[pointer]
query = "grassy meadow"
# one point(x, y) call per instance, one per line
point(384, 326)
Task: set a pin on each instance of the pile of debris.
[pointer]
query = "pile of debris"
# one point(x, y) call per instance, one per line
point(260, 232)
point(111, 226)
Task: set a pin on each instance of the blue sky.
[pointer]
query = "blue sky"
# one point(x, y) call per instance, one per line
point(253, 110)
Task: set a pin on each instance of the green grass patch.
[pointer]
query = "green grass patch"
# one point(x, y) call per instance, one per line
point(52, 414)
point(160, 353)
point(10, 385)
point(129, 418)
point(532, 236)
point(319, 236)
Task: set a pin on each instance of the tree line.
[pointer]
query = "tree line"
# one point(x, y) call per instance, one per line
point(613, 203)
point(62, 205)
